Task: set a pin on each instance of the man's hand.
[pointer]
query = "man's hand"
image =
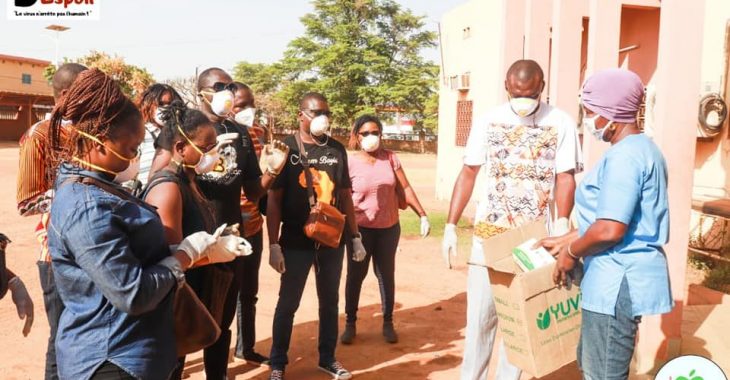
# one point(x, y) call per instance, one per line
point(276, 258)
point(562, 275)
point(22, 302)
point(448, 245)
point(275, 156)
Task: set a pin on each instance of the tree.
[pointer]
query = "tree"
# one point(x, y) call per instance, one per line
point(132, 79)
point(187, 87)
point(361, 54)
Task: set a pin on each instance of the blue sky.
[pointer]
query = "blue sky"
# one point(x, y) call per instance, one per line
point(173, 37)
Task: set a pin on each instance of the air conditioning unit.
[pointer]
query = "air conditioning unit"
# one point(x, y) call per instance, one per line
point(463, 82)
point(711, 115)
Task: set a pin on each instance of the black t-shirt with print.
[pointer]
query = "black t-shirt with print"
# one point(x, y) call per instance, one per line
point(328, 164)
point(238, 164)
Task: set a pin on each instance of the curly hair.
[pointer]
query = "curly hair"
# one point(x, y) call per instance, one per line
point(151, 98)
point(95, 105)
point(187, 119)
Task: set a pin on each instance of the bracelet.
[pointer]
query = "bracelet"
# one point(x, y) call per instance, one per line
point(570, 253)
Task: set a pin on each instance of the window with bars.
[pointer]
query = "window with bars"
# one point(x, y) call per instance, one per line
point(9, 112)
point(463, 121)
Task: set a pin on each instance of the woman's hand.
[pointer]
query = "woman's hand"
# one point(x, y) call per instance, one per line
point(565, 264)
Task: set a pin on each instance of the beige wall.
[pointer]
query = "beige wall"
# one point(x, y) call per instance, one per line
point(478, 55)
point(712, 160)
point(12, 71)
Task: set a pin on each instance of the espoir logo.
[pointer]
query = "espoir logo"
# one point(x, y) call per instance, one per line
point(66, 3)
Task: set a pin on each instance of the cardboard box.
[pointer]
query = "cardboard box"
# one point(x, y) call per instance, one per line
point(540, 324)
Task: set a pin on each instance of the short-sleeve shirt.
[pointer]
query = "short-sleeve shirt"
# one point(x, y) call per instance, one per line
point(329, 168)
point(628, 185)
point(238, 164)
point(374, 189)
point(522, 156)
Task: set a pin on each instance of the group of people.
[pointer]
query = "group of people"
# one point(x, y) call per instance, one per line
point(143, 203)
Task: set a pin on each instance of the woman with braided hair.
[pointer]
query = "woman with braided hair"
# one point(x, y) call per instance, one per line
point(114, 270)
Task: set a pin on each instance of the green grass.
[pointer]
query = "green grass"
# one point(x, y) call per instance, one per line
point(410, 225)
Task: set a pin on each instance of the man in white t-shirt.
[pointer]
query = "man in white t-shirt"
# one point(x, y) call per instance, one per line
point(531, 152)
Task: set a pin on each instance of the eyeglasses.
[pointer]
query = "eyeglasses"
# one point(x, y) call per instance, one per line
point(319, 112)
point(368, 133)
point(220, 86)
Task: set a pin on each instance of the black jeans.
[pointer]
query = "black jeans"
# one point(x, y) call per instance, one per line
point(54, 308)
point(215, 356)
point(381, 245)
point(328, 271)
point(248, 290)
point(109, 371)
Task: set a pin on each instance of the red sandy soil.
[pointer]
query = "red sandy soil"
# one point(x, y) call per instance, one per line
point(429, 317)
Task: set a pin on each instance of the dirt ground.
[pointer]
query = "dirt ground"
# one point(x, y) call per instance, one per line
point(429, 317)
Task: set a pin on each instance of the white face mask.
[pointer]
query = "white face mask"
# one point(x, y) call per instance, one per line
point(129, 173)
point(589, 125)
point(222, 102)
point(207, 162)
point(246, 117)
point(370, 143)
point(158, 116)
point(319, 125)
point(523, 106)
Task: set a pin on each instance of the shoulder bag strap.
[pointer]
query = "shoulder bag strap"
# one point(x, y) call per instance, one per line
point(307, 174)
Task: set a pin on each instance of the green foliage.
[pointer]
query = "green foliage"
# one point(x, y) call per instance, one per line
point(361, 54)
point(133, 79)
point(718, 278)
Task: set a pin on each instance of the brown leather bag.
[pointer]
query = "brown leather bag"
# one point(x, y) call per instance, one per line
point(325, 222)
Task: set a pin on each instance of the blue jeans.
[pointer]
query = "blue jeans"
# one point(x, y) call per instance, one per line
point(54, 307)
point(381, 245)
point(248, 289)
point(328, 270)
point(607, 341)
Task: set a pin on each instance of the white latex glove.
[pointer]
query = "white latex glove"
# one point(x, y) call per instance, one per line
point(275, 155)
point(225, 139)
point(232, 230)
point(22, 302)
point(448, 245)
point(227, 248)
point(561, 227)
point(196, 245)
point(358, 250)
point(276, 258)
point(425, 226)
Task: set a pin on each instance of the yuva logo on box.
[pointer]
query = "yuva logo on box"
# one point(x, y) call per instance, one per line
point(66, 3)
point(559, 311)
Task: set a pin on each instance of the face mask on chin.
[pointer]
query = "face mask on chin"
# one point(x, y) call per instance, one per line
point(589, 125)
point(125, 175)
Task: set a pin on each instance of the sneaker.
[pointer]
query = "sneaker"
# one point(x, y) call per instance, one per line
point(349, 334)
point(336, 370)
point(256, 359)
point(389, 333)
point(276, 374)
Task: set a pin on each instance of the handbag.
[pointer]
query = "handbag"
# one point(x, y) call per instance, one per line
point(400, 192)
point(325, 222)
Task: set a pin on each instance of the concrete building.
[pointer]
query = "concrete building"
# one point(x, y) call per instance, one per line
point(680, 50)
point(25, 95)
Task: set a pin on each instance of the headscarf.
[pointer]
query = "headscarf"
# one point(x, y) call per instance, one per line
point(615, 94)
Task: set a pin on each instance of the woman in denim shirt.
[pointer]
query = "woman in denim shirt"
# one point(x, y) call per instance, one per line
point(623, 222)
point(113, 269)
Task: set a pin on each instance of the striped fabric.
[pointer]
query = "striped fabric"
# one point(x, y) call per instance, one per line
point(148, 152)
point(252, 219)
